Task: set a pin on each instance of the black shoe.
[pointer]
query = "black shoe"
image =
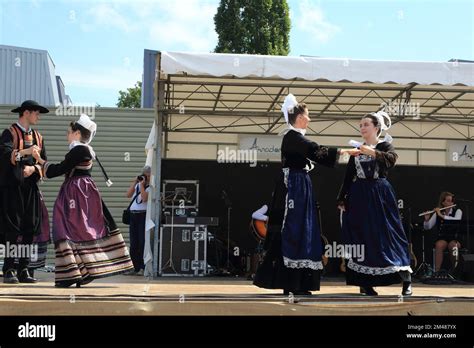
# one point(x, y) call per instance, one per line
point(303, 293)
point(25, 277)
point(369, 291)
point(9, 277)
point(86, 281)
point(63, 284)
point(406, 291)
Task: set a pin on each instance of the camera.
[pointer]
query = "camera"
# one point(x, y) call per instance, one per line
point(140, 178)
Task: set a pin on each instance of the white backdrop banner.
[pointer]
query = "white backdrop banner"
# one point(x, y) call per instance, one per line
point(268, 147)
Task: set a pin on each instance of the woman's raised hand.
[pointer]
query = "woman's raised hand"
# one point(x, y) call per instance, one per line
point(351, 152)
point(36, 155)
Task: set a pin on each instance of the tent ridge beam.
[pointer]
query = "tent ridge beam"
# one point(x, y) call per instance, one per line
point(218, 97)
point(328, 105)
point(346, 85)
point(324, 135)
point(280, 92)
point(449, 101)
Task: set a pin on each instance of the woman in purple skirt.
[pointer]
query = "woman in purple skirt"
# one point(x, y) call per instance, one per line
point(87, 241)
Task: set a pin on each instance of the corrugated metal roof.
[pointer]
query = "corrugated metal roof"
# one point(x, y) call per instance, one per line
point(122, 133)
point(27, 73)
point(63, 97)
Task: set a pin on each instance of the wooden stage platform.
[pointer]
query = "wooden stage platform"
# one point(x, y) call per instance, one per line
point(134, 295)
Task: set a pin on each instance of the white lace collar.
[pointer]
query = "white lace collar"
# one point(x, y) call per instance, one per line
point(78, 143)
point(290, 127)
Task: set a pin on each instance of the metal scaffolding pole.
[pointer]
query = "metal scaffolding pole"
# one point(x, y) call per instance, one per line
point(159, 118)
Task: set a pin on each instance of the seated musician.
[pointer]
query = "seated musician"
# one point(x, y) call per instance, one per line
point(445, 211)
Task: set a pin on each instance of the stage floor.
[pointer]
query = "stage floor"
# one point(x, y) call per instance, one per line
point(134, 295)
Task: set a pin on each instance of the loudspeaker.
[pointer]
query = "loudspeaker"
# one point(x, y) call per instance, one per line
point(183, 250)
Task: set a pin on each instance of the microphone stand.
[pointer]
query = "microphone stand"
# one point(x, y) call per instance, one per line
point(424, 269)
point(170, 263)
point(467, 203)
point(229, 208)
point(468, 227)
point(228, 203)
point(318, 207)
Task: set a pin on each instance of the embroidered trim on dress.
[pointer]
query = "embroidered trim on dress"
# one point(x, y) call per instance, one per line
point(322, 152)
point(286, 173)
point(314, 265)
point(360, 170)
point(376, 270)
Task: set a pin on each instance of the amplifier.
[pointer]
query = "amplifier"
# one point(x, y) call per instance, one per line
point(183, 251)
point(180, 193)
point(198, 220)
point(181, 211)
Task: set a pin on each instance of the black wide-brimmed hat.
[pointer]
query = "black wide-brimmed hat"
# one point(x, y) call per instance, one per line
point(30, 105)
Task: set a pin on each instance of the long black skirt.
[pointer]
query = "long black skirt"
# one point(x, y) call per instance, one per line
point(372, 220)
point(292, 260)
point(273, 274)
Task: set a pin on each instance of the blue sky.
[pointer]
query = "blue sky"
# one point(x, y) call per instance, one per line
point(97, 46)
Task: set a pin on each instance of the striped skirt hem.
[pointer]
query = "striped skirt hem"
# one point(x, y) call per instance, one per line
point(40, 260)
point(82, 263)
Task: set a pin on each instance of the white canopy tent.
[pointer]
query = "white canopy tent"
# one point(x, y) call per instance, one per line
point(315, 69)
point(242, 94)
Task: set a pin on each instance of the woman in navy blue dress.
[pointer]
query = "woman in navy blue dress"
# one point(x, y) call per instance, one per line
point(293, 248)
point(370, 213)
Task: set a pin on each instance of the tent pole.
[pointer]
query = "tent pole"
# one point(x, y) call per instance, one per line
point(159, 91)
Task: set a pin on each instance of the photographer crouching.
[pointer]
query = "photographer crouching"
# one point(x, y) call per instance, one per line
point(139, 190)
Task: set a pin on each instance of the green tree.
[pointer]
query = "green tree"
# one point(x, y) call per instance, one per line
point(253, 26)
point(131, 98)
point(280, 30)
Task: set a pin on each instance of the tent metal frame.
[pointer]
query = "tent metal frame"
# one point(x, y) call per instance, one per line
point(252, 106)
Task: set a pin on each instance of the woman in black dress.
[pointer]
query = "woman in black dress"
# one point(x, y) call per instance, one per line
point(370, 213)
point(292, 261)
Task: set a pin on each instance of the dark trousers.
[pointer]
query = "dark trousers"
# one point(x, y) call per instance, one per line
point(137, 239)
point(20, 212)
point(23, 262)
